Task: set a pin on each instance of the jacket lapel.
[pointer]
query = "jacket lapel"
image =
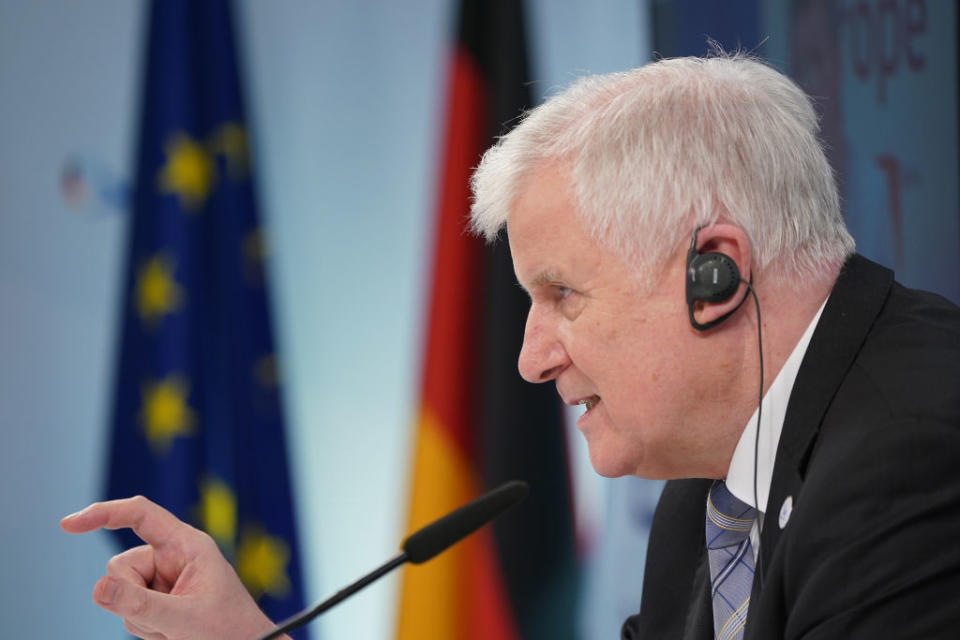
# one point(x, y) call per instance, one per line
point(857, 298)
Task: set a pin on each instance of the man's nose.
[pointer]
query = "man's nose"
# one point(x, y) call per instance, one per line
point(542, 357)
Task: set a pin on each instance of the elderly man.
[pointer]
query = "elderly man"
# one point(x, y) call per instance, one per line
point(642, 210)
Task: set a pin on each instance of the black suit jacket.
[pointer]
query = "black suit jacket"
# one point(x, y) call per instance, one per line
point(870, 455)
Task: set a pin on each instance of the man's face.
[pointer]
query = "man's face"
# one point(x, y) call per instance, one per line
point(607, 341)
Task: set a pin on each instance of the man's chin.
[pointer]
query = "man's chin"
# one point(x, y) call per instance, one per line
point(610, 460)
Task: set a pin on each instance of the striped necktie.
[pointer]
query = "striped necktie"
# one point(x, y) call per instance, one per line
point(731, 560)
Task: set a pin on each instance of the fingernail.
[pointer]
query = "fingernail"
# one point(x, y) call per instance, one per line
point(109, 592)
point(77, 513)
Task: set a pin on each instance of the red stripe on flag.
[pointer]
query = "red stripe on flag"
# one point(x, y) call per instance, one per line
point(450, 368)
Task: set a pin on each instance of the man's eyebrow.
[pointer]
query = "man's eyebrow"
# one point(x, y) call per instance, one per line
point(546, 277)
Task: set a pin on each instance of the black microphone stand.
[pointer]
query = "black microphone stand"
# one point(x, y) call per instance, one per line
point(304, 617)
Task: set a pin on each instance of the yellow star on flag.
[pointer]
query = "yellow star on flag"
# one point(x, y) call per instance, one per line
point(262, 563)
point(230, 140)
point(165, 414)
point(156, 292)
point(189, 172)
point(217, 512)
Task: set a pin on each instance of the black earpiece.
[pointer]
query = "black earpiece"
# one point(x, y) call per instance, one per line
point(711, 277)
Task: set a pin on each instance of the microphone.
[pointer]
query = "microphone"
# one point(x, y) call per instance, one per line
point(422, 545)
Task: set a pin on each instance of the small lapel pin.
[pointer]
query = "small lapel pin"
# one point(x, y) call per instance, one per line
point(785, 510)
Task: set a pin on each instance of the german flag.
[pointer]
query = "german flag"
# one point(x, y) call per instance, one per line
point(479, 423)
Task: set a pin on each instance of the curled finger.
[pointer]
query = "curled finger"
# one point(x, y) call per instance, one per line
point(135, 565)
point(144, 608)
point(140, 632)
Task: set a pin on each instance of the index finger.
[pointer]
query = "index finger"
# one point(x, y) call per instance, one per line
point(151, 522)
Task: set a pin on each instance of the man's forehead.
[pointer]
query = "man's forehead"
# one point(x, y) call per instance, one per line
point(543, 229)
point(542, 212)
point(533, 247)
point(547, 255)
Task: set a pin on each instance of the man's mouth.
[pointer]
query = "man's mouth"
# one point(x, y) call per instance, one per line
point(590, 402)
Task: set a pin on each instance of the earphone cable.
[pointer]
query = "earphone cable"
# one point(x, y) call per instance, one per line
point(756, 440)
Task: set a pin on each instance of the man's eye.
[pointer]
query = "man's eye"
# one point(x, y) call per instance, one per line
point(563, 292)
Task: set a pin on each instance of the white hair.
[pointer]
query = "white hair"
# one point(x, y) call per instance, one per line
point(681, 143)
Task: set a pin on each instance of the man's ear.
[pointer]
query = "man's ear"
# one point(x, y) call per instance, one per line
point(733, 242)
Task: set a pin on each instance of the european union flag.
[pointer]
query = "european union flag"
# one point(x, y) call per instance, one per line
point(197, 421)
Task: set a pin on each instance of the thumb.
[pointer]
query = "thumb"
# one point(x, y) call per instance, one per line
point(144, 607)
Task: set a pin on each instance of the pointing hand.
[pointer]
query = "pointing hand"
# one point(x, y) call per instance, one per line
point(176, 586)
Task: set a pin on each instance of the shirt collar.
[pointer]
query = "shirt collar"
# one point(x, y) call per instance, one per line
point(740, 475)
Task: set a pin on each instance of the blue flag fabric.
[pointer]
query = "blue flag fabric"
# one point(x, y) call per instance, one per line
point(197, 424)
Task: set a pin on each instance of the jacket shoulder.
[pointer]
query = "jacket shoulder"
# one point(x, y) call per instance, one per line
point(674, 576)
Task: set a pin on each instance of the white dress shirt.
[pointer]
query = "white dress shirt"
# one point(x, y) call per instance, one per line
point(740, 475)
